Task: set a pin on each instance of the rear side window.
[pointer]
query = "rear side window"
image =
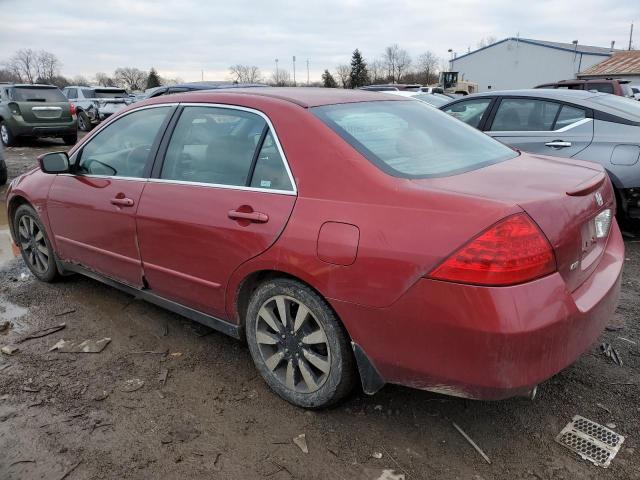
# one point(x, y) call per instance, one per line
point(223, 146)
point(37, 94)
point(470, 112)
point(72, 93)
point(123, 147)
point(600, 87)
point(519, 115)
point(411, 140)
point(569, 115)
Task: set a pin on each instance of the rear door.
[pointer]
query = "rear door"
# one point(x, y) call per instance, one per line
point(541, 126)
point(92, 211)
point(42, 105)
point(222, 195)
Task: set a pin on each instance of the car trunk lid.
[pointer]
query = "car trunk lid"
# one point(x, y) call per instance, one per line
point(562, 196)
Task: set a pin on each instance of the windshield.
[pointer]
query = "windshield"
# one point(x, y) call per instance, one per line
point(105, 93)
point(37, 94)
point(432, 99)
point(412, 140)
point(628, 106)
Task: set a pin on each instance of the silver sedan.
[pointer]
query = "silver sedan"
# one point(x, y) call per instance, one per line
point(592, 126)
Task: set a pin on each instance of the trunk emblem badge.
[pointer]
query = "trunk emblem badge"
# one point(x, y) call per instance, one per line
point(599, 200)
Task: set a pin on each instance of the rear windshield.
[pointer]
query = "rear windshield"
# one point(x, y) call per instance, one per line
point(105, 93)
point(628, 106)
point(37, 94)
point(412, 140)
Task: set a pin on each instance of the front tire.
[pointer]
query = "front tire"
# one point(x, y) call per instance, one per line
point(34, 244)
point(70, 139)
point(298, 345)
point(84, 122)
point(8, 139)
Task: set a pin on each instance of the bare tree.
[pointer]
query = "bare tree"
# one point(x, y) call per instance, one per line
point(486, 41)
point(130, 78)
point(427, 65)
point(376, 71)
point(47, 66)
point(280, 78)
point(396, 61)
point(170, 81)
point(23, 65)
point(104, 80)
point(343, 72)
point(80, 80)
point(7, 75)
point(245, 73)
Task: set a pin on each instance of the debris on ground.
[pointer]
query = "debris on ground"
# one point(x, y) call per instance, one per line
point(611, 425)
point(377, 455)
point(132, 385)
point(5, 326)
point(87, 346)
point(101, 396)
point(64, 312)
point(9, 349)
point(590, 440)
point(610, 352)
point(162, 376)
point(603, 407)
point(70, 470)
point(43, 332)
point(301, 442)
point(471, 442)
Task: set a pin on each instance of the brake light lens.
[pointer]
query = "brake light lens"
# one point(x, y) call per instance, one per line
point(603, 223)
point(512, 251)
point(72, 108)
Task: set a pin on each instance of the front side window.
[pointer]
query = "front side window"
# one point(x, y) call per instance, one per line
point(123, 147)
point(470, 112)
point(524, 115)
point(223, 146)
point(411, 140)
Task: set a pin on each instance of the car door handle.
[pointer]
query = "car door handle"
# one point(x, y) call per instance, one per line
point(122, 202)
point(558, 144)
point(256, 217)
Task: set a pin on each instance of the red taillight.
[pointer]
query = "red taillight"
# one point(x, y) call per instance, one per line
point(512, 251)
point(72, 108)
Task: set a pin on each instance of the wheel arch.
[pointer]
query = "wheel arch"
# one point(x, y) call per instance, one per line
point(15, 202)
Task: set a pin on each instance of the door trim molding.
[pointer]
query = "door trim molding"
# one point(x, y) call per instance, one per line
point(91, 248)
point(148, 295)
point(181, 275)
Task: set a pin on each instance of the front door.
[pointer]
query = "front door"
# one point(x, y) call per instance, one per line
point(92, 211)
point(222, 196)
point(540, 126)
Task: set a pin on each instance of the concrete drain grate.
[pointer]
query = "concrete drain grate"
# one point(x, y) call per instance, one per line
point(590, 440)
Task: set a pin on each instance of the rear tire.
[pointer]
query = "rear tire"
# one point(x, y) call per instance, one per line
point(307, 359)
point(70, 139)
point(84, 122)
point(34, 244)
point(8, 139)
point(3, 173)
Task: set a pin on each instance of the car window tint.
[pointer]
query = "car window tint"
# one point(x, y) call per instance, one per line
point(569, 115)
point(72, 93)
point(213, 145)
point(270, 171)
point(600, 87)
point(515, 114)
point(470, 112)
point(122, 148)
point(412, 140)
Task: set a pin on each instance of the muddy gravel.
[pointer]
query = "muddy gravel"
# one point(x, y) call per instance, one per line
point(169, 399)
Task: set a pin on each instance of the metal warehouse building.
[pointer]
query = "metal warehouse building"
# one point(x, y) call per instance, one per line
point(525, 63)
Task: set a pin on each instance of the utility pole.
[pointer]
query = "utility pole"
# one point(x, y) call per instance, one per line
point(630, 36)
point(294, 70)
point(277, 74)
point(307, 72)
point(202, 71)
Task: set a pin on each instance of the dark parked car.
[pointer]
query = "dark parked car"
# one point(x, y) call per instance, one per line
point(35, 111)
point(196, 86)
point(338, 232)
point(609, 85)
point(583, 125)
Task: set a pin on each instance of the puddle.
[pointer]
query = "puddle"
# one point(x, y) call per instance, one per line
point(7, 251)
point(13, 313)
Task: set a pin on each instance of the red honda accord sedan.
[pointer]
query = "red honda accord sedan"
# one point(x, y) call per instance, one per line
point(344, 235)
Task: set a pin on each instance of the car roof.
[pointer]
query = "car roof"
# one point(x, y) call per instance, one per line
point(31, 85)
point(306, 97)
point(552, 93)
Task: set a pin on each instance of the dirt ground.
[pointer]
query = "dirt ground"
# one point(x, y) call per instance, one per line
point(74, 416)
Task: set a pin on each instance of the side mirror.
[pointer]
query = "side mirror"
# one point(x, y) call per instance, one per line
point(55, 162)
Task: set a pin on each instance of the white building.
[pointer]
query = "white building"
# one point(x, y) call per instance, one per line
point(524, 63)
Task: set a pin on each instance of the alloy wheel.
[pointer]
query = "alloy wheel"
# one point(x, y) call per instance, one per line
point(33, 244)
point(293, 344)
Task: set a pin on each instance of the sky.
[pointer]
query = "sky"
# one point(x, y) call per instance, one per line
point(195, 39)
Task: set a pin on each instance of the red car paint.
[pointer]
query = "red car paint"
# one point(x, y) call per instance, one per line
point(366, 241)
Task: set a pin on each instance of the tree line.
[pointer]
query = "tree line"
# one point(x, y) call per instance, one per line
point(39, 66)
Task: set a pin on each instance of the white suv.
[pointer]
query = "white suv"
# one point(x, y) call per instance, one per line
point(94, 104)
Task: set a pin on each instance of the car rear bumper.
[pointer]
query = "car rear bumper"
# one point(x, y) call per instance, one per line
point(487, 342)
point(57, 129)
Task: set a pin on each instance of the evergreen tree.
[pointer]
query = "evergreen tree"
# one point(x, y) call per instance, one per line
point(359, 76)
point(328, 80)
point(153, 80)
